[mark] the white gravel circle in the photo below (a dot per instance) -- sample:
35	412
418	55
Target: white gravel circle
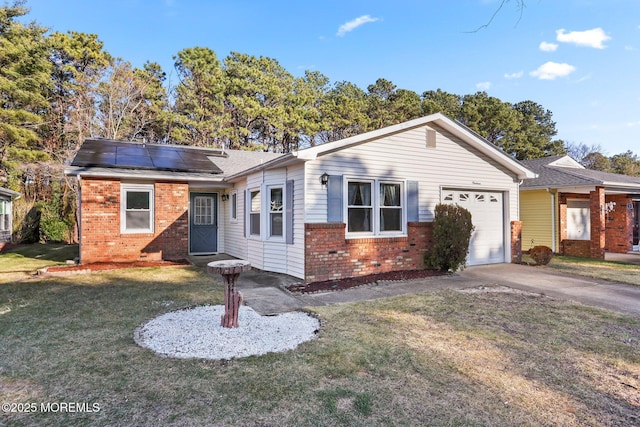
196	333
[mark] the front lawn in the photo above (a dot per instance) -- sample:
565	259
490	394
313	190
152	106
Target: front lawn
24	260
610	270
439	359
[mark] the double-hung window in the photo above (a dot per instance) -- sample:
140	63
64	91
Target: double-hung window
276	205
136	214
254	212
5	222
375	207
359	206
390	206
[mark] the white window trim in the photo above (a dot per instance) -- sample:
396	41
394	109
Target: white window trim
124	188
375	196
268	211
233	196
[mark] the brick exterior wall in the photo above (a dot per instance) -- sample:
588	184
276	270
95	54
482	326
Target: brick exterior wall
598	227
619	225
516	242
612	232
329	256
101	240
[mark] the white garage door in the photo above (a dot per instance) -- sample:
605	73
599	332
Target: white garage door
487	215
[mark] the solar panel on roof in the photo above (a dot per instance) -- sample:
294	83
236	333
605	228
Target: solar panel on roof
127	155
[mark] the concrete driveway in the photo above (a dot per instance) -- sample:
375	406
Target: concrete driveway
263	291
586	290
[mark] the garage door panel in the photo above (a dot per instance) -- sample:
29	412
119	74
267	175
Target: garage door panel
487	215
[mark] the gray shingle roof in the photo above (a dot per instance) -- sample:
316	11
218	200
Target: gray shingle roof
560	176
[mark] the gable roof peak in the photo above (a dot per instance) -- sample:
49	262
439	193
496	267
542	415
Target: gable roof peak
565	162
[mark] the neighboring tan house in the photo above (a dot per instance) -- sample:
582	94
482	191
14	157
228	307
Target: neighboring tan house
6	216
577	211
347	208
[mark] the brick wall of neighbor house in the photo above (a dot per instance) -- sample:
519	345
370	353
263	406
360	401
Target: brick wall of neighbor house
101	240
619	223
516	242
598	226
578	248
329	256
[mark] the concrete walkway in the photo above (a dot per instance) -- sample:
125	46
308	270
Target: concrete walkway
263	291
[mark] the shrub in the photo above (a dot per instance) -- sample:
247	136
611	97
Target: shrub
541	254
452	230
54	230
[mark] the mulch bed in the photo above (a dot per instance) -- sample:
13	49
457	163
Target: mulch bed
352	282
102	266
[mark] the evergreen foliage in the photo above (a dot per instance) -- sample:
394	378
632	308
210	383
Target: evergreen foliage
57	89
452	228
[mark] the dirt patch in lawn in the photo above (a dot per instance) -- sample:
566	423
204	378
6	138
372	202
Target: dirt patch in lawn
352	282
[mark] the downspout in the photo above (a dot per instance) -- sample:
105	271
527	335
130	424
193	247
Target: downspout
553	220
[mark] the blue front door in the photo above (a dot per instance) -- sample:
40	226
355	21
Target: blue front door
203	223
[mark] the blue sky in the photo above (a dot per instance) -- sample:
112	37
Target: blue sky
578	58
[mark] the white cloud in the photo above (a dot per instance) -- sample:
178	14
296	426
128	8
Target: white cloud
552	70
483	85
353	24
514	75
629	48
589	38
548	47
633	124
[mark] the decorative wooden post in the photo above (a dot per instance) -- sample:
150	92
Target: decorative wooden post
230	271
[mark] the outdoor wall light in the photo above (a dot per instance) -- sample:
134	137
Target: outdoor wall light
324	179
224	197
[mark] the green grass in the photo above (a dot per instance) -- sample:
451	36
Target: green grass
24	260
444	358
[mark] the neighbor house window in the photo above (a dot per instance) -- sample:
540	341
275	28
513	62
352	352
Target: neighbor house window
375	207
136	208
275	211
4	215
254	212
234	206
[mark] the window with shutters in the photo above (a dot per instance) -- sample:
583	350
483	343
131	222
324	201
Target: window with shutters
375	207
254	212
276	211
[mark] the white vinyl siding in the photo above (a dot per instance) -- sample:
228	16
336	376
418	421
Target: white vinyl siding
452	164
270	254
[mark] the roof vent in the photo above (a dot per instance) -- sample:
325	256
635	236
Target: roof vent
431	138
